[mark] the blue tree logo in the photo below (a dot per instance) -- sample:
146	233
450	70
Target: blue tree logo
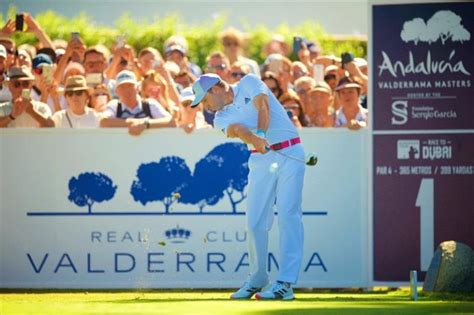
204	188
161	181
223	170
89	188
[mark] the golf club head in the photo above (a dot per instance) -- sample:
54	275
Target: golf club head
311	159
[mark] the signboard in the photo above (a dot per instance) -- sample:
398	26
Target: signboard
422	196
103	209
423	133
423	66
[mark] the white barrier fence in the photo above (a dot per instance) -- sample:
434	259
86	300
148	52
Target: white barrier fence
90	209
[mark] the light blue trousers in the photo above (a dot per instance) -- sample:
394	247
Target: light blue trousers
275	180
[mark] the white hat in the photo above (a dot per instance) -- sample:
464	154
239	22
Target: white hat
3	51
126	76
187	95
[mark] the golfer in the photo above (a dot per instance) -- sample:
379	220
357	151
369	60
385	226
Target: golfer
249	111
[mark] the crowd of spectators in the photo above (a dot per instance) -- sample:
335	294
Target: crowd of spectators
69	85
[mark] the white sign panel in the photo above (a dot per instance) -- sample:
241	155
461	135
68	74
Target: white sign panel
103	209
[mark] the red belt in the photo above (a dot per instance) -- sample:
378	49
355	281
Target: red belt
282	145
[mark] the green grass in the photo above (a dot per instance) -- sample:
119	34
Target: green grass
217	302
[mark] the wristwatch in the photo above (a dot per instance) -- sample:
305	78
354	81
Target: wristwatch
11	117
147	123
260	133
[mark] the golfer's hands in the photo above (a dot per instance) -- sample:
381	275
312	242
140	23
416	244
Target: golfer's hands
260	144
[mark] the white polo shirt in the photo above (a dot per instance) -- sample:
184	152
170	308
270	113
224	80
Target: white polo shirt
242	111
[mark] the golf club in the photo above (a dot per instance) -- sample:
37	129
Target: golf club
311	158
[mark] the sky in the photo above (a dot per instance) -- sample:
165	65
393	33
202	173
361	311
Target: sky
337	17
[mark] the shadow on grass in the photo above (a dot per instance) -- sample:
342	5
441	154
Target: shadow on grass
407	309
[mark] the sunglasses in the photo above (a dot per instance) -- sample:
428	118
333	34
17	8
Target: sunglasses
237	74
215	68
328	77
229	44
23	84
77	93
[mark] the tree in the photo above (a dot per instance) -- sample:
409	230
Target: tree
207	185
89	188
413	30
223	170
233	169
445	24
161	181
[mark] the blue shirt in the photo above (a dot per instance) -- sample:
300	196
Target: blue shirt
242	111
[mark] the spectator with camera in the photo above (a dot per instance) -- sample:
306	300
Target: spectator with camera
133	112
44	88
233	41
292	105
22	111
77	114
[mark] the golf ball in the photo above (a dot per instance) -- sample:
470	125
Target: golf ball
273	167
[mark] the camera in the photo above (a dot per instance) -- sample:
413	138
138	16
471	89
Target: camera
346	58
25	94
75	35
297	42
19	22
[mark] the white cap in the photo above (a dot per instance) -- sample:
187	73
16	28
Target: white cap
126	76
3	51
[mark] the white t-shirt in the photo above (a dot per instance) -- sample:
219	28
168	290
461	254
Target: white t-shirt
5	94
156	110
89	119
25	120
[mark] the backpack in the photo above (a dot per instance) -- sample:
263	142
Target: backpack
146	112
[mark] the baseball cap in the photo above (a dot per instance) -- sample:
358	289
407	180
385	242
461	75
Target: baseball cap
202	85
22	73
346	83
322	87
3	51
330	68
126	76
175	47
41	59
187	95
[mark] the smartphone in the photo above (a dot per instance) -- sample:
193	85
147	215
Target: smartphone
19	21
75	35
346	58
25	94
93	79
318	72
297	41
120	41
48	72
290	114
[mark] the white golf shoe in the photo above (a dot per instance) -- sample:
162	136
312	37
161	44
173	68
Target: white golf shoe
245	292
278	291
